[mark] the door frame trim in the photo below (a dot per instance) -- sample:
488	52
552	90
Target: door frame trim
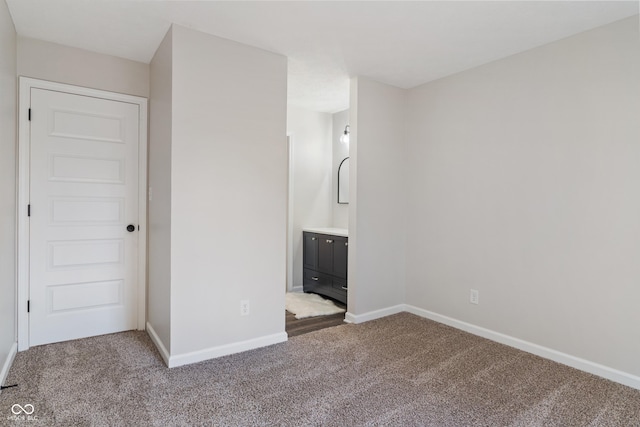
290	205
25	86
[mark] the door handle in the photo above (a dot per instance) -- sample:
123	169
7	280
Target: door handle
131	228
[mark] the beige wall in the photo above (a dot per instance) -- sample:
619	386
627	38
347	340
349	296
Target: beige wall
160	131
227	193
7	188
377	197
310	133
64	64
522	183
340	213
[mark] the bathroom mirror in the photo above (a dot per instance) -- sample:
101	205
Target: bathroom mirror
343	182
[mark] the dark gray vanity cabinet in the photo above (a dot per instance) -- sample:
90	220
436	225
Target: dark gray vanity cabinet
325	265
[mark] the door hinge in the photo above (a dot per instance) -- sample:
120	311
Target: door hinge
29	114
28	306
28	210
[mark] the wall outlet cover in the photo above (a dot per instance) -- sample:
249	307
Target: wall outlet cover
474	297
244	307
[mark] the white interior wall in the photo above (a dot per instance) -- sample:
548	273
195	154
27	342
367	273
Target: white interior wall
377	197
159	247
310	134
522	181
63	64
229	196
340	213
8	97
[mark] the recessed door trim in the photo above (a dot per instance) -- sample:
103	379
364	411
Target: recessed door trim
24	173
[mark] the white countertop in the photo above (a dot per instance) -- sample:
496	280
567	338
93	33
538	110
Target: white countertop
333	231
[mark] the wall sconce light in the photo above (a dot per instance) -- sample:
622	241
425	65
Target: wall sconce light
344	138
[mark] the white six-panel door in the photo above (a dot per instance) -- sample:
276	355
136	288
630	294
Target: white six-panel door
83	195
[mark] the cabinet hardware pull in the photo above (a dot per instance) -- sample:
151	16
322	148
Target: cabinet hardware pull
314	278
346	243
329	241
313	238
345	288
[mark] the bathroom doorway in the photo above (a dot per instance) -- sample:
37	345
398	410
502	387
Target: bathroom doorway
316	149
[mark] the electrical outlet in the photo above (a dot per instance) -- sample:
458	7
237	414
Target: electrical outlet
244	307
474	297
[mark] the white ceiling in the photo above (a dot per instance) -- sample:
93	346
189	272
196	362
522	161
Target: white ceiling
400	43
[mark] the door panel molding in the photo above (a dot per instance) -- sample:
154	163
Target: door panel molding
23	163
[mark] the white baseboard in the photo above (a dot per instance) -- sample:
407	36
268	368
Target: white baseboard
8	362
371	315
224	350
158	342
297	289
548	353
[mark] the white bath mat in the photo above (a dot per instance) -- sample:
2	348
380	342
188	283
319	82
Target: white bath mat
309	305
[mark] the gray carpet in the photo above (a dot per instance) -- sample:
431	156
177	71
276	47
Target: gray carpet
401	370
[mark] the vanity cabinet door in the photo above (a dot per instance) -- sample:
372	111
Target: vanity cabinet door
325	253
340	251
310	251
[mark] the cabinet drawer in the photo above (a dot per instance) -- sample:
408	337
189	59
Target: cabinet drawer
340	284
312	277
